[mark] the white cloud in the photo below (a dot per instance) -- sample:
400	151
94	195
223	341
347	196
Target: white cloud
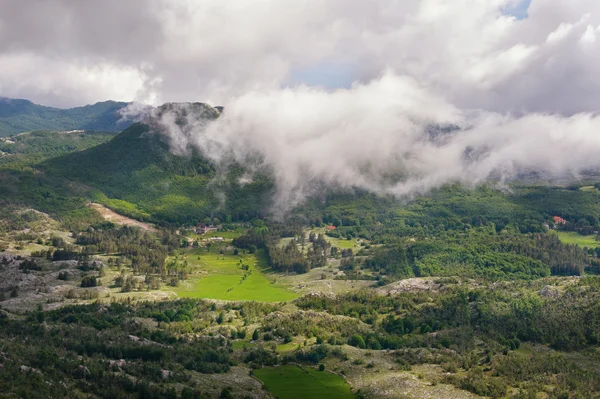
391	135
65	82
468	51
523	91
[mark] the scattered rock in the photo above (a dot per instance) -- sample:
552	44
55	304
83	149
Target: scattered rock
410	285
550	291
27	369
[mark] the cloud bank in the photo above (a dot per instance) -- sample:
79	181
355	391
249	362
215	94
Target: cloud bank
392	96
390	136
472	52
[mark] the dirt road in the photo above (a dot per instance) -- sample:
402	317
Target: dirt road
114	217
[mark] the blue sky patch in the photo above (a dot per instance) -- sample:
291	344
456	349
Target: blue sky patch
519	10
329	75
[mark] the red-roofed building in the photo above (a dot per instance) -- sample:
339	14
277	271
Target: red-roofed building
559	220
330	227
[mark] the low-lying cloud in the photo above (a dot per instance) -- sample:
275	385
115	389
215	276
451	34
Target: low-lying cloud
390	136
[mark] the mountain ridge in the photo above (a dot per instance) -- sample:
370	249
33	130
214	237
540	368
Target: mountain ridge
22	115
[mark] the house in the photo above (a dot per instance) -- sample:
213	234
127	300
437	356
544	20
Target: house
559	220
203	228
330	228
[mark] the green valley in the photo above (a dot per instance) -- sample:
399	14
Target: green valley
160	274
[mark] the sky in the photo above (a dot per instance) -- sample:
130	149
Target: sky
393	96
501	55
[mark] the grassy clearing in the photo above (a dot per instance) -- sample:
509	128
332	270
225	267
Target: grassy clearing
223	278
290	346
337	242
291	382
242	345
343	244
578	239
295	344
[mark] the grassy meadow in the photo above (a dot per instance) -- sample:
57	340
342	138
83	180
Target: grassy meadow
220	276
578	239
341	243
293	382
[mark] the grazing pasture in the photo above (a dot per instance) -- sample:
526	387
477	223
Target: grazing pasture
222	276
578	239
293	382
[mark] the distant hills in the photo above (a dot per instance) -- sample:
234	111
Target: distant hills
137	174
17	116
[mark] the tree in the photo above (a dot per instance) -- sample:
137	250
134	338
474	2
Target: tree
255	335
321	367
357	341
89	281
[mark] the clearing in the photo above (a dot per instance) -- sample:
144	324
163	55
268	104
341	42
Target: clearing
578	239
291	382
341	243
115	218
221	276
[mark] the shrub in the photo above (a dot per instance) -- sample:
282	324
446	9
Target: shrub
357	341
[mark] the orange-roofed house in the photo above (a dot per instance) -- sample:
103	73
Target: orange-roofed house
559	220
330	228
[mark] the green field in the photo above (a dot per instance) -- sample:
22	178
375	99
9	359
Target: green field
337	242
343	244
223	278
292	382
242	345
575	238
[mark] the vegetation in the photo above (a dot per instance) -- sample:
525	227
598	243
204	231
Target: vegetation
29	148
17	116
291	382
137	180
468	290
232	277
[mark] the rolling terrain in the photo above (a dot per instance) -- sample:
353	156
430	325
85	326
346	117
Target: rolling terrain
17	116
112	287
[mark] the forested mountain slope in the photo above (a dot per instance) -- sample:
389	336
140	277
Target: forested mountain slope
18	116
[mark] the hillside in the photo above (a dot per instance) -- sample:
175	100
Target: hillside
460	293
136	174
18	116
34	147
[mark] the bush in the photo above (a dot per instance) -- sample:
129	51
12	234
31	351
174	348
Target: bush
89	281
357	341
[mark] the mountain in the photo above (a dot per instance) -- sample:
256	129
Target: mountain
137	174
18	116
